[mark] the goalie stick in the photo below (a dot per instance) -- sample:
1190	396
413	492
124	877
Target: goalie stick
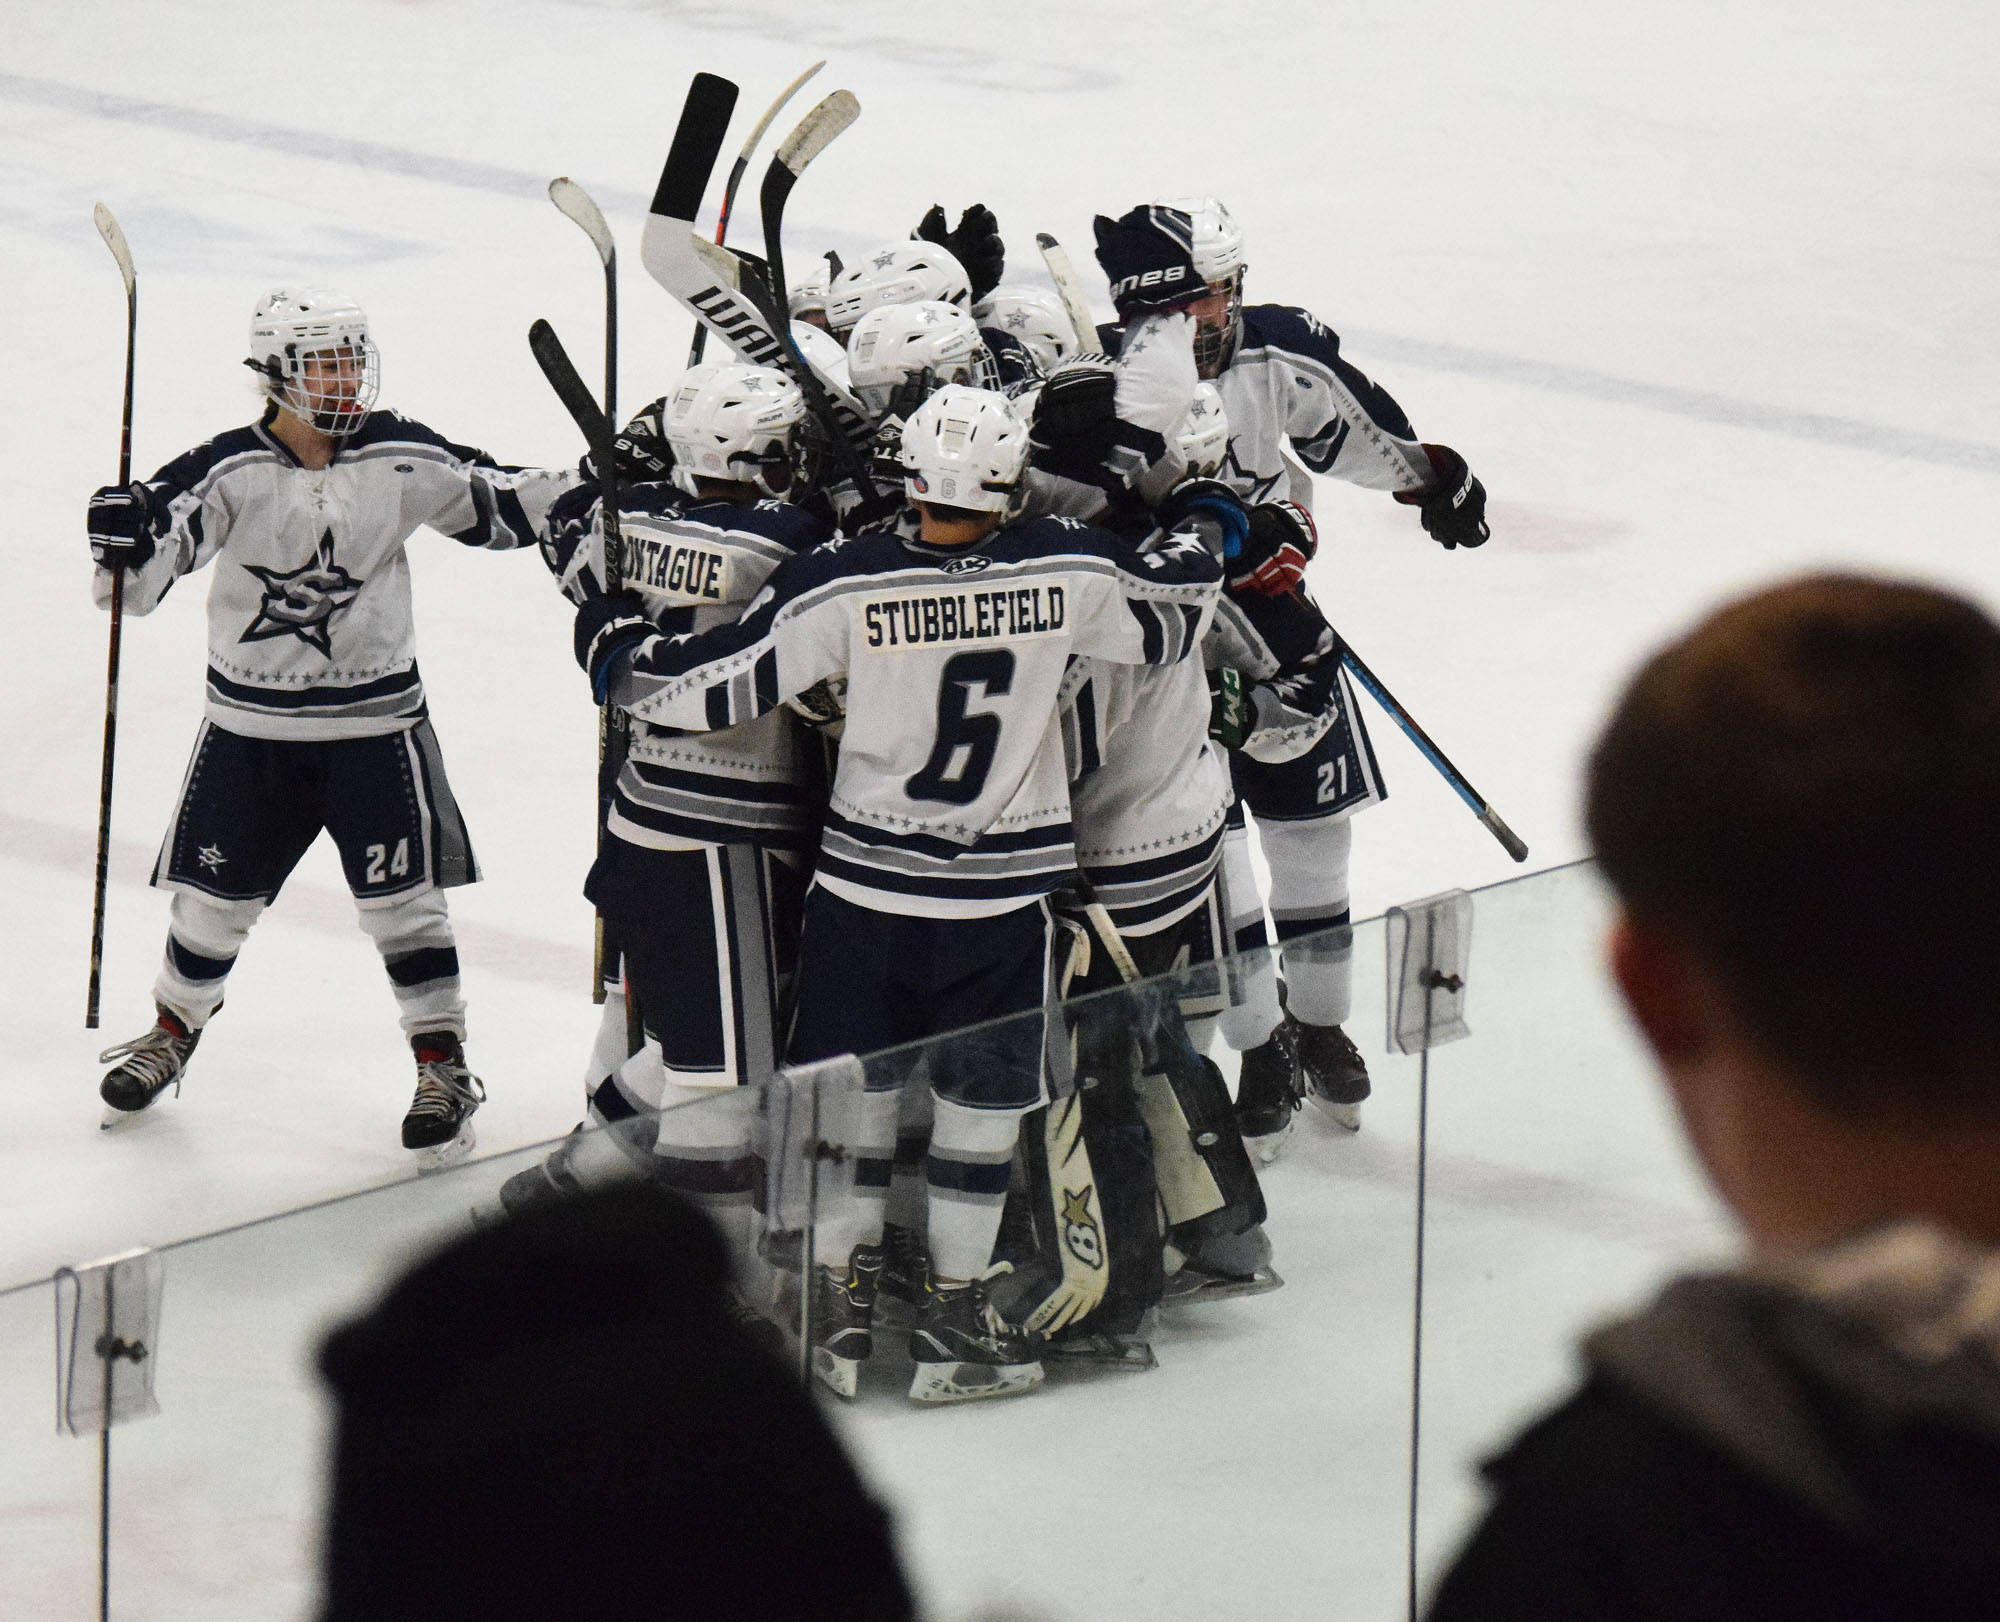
1070	290
736	172
114	239
600	435
1510	841
614	726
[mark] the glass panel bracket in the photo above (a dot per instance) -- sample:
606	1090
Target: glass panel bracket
1429	951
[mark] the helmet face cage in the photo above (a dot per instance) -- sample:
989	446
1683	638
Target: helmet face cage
1217	335
334	389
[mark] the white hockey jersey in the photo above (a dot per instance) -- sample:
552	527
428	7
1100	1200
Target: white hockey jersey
310	634
1288	385
950	798
697	564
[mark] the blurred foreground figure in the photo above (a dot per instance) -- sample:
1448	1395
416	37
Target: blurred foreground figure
560	1417
1798	806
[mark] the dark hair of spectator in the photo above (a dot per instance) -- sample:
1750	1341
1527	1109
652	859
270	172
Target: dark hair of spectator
1806	790
558	1417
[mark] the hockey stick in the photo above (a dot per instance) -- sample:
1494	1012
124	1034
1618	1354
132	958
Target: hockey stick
114	239
814	133
736	172
614	726
1509	840
1069	290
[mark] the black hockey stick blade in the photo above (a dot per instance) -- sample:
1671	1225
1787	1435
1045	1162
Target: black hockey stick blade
576	203
808	139
571	389
690	161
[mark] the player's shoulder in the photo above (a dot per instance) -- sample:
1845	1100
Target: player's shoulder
779	522
234	447
1049	535
389	430
1277	329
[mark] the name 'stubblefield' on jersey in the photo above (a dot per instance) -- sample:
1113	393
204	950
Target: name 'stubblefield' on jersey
310	634
950	798
1289	385
697	564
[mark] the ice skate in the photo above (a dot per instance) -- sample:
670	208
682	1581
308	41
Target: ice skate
542	1183
1219	1267
1335	1074
438	1126
1269	1090
965	1351
906	1264
148	1066
843	1315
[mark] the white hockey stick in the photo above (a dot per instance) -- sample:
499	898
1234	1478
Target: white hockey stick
1069	290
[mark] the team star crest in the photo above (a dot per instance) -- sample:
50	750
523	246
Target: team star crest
301	602
210	857
1260	488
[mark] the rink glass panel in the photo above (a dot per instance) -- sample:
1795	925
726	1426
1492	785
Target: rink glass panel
1261	1468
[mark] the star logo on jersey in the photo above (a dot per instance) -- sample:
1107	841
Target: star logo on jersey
301	602
210	857
1236	476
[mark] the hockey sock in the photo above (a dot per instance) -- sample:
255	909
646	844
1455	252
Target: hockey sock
971	1159
702	1152
859	1220
202	942
1253	1013
413	934
1308	862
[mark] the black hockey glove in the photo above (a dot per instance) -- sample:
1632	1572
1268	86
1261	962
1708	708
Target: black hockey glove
1148	257
640	452
121	527
1454	509
1231	715
975	244
1212	510
886	454
1076	414
608	628
1282	541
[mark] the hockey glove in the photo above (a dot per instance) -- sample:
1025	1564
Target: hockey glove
1282	541
640	452
1148	257
608	630
121	527
1212	510
1453	509
822	705
1076	415
975	244
1231	715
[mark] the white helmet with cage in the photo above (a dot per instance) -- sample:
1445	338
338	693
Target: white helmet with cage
1034	316
1203	436
965	448
1219	261
734	422
895	342
808	293
896	273
311	347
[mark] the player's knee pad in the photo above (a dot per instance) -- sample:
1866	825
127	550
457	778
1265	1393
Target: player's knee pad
1308	862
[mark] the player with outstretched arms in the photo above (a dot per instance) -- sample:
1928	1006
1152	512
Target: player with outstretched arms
1176	270
700	870
948	825
315	715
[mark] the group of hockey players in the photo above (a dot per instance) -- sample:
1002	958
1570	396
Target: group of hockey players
935	736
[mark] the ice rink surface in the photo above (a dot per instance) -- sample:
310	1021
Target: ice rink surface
1705	294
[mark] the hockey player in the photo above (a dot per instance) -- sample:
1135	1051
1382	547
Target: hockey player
315	715
699	875
1034	317
1287	388
948	824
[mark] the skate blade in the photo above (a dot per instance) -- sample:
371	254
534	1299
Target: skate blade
115	1118
437	1156
840	1375
1267	1148
1190	1284
1101	1351
936	1383
1345	1116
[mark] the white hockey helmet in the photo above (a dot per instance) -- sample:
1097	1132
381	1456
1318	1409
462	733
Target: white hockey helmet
1203	436
895	273
1034	316
1219	261
895	342
965	448
730	421
311	347
808	294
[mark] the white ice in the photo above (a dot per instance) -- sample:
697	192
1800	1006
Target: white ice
1704	293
